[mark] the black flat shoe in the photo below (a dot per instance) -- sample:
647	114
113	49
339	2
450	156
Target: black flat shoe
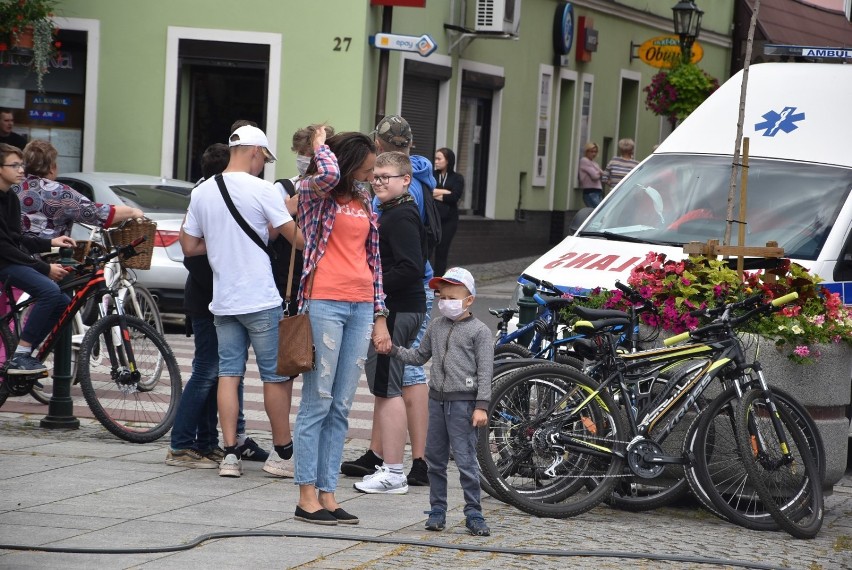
321	516
343	517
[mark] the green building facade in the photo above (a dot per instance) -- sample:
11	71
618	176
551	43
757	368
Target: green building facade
146	86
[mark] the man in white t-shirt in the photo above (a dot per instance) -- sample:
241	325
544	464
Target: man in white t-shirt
246	305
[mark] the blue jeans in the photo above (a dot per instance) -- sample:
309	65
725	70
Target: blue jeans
195	422
341	332
450	426
592	197
50	301
258	330
415	374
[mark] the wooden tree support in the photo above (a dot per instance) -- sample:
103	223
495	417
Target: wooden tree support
713	249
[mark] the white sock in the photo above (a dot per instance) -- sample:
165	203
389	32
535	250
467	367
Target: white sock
24	349
241	439
395	468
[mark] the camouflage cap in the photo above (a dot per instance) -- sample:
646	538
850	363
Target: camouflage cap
394	130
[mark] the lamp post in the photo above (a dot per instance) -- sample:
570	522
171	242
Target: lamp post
687	25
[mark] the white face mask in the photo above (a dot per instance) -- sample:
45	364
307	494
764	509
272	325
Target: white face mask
302	163
451	308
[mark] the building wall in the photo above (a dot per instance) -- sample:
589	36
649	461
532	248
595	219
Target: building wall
318	83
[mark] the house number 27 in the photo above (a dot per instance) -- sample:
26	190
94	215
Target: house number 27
341	44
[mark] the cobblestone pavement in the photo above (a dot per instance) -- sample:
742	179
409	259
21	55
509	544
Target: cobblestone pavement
135	490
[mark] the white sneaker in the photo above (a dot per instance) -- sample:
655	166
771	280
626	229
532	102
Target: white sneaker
378	471
231	466
276	466
383	481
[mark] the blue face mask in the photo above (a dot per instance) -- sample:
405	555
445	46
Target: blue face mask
362	186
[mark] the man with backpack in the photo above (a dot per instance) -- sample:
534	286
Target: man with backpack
393	133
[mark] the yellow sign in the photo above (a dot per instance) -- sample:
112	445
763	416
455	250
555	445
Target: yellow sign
663	51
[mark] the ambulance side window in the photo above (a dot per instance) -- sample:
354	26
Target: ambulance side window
843	268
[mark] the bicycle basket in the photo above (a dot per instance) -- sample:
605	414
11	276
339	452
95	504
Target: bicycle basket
81	250
131	230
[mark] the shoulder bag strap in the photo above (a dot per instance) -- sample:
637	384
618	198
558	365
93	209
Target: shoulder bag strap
240	220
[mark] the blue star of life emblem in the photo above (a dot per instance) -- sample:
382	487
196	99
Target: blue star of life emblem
783	121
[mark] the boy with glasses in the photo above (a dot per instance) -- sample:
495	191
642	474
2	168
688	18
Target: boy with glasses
19	268
402	246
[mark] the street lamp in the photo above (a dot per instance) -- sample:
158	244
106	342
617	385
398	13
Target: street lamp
687	25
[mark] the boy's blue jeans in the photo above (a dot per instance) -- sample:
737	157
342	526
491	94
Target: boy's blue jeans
451	426
196	419
50	301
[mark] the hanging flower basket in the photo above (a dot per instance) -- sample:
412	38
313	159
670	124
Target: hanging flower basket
676	93
26	26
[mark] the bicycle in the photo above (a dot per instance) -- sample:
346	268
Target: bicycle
552	428
127	373
135	299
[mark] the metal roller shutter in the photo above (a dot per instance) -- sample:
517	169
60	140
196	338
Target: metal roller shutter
420	109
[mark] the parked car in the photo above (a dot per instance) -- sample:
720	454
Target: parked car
164	201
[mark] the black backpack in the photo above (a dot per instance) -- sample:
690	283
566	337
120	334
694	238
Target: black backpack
432	221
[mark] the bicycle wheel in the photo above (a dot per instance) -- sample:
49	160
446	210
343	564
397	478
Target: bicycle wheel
789	486
8	343
122	394
510	350
144	307
723	486
546	439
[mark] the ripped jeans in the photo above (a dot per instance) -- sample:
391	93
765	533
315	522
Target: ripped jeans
342	332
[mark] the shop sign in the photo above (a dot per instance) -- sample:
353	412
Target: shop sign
424	45
53	116
664	51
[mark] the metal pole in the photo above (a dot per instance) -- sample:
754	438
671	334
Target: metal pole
60	409
384	60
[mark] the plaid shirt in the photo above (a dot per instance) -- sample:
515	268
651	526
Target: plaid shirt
317	210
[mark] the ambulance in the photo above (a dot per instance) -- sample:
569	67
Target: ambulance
798	117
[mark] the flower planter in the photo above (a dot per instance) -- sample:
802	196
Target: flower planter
824	388
23	41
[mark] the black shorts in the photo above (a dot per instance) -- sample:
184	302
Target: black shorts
384	373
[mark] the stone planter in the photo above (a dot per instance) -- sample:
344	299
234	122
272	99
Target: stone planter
825	388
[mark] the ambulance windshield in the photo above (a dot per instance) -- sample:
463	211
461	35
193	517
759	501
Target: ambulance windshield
678	198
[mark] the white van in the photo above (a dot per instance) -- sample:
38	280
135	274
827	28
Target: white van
798	117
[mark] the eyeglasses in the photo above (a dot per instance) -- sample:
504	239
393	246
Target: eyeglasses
15	166
384	180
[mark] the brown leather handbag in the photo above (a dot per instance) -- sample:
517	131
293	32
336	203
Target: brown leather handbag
296	349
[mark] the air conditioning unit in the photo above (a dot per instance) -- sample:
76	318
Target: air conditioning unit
498	16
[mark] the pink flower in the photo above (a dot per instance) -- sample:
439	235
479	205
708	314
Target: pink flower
802	351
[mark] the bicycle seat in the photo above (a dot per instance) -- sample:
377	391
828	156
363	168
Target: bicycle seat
559	303
599	325
598	314
503	313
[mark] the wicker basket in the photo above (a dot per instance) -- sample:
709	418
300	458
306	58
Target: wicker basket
81	250
131	230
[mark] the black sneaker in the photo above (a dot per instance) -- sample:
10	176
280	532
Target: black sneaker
25	364
251	451
364	465
418	476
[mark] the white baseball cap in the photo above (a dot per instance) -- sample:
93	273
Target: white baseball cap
455	276
251	136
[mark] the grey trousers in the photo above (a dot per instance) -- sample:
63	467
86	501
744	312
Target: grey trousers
450	426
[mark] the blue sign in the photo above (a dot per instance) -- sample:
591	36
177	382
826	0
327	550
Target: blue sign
64	101
783	121
54	116
424	45
563	28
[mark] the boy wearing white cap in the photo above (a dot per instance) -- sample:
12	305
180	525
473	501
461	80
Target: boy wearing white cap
459	391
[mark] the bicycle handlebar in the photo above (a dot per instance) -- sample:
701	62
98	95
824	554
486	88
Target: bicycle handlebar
773	305
126	250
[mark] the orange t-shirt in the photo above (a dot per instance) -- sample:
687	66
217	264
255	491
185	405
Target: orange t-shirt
343	273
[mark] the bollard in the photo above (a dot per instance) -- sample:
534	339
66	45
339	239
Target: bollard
527	312
60	410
